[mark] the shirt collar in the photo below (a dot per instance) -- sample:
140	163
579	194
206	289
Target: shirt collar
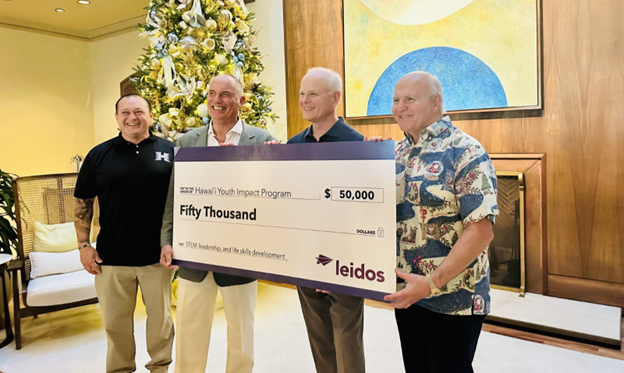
120	140
334	131
432	131
238	128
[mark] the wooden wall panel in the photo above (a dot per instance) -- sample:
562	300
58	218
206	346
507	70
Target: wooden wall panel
609	293
312	37
579	129
536	234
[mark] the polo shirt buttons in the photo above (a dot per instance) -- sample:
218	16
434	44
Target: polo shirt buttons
137	146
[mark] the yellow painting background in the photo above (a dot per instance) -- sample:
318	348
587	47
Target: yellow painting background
501	33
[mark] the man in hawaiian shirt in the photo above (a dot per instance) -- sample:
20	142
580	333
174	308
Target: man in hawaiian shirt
446	204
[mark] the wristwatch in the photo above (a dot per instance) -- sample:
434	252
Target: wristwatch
434	289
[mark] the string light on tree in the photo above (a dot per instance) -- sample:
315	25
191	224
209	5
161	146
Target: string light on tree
190	42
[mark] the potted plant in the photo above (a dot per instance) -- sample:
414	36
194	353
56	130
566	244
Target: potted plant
8	232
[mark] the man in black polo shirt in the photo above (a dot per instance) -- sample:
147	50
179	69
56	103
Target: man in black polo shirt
130	176
335	322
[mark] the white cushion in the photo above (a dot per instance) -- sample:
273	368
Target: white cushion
60	289
45	264
55	237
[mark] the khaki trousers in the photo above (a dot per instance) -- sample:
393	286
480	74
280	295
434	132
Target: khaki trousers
116	289
335	324
194	315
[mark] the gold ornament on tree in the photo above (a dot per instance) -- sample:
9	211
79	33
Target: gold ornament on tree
220	59
202	110
208	44
210	24
224	18
155	63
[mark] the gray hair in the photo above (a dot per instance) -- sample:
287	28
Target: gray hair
334	80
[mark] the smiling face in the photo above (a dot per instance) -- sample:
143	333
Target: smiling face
316	99
413	106
134	118
225	98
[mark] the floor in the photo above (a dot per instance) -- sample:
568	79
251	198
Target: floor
73	341
534	337
582	320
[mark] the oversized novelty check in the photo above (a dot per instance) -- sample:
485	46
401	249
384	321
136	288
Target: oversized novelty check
317	215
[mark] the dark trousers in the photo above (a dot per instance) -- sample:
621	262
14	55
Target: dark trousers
432	342
335	324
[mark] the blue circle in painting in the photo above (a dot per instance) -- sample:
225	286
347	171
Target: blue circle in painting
467	82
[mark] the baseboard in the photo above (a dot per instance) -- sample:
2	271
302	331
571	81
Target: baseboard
601	292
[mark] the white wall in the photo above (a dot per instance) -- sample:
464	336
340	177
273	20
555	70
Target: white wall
270	41
112	59
45	102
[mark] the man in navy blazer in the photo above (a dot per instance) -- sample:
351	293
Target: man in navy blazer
197	289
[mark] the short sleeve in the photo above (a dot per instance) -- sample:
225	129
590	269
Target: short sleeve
475	186
85	185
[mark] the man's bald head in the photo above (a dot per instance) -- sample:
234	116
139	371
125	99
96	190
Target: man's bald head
435	88
225	98
417	102
334	81
319	95
237	84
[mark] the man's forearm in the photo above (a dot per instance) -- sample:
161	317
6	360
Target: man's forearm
83	214
470	244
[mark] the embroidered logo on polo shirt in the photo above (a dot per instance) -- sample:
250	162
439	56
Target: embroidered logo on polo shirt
160	156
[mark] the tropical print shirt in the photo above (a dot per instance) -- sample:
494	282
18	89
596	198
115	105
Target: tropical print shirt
445	181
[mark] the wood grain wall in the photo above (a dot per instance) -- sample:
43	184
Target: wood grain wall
581	128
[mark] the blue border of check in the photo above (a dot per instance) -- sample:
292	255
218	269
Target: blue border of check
285	279
353	150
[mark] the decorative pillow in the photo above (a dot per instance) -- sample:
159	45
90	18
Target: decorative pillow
55	238
45	264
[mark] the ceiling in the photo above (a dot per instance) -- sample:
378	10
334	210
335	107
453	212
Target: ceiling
100	18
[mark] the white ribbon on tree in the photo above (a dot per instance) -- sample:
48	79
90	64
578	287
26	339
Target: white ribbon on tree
198	19
183	3
229	41
236	71
167	72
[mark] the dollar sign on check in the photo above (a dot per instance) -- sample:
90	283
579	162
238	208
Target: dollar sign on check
327	193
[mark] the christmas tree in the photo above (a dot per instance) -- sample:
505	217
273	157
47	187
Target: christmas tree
190	42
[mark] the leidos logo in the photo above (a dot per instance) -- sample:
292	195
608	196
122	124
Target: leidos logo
324	260
350	271
359	272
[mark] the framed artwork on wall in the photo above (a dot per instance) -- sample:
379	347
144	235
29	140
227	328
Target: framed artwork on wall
486	53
